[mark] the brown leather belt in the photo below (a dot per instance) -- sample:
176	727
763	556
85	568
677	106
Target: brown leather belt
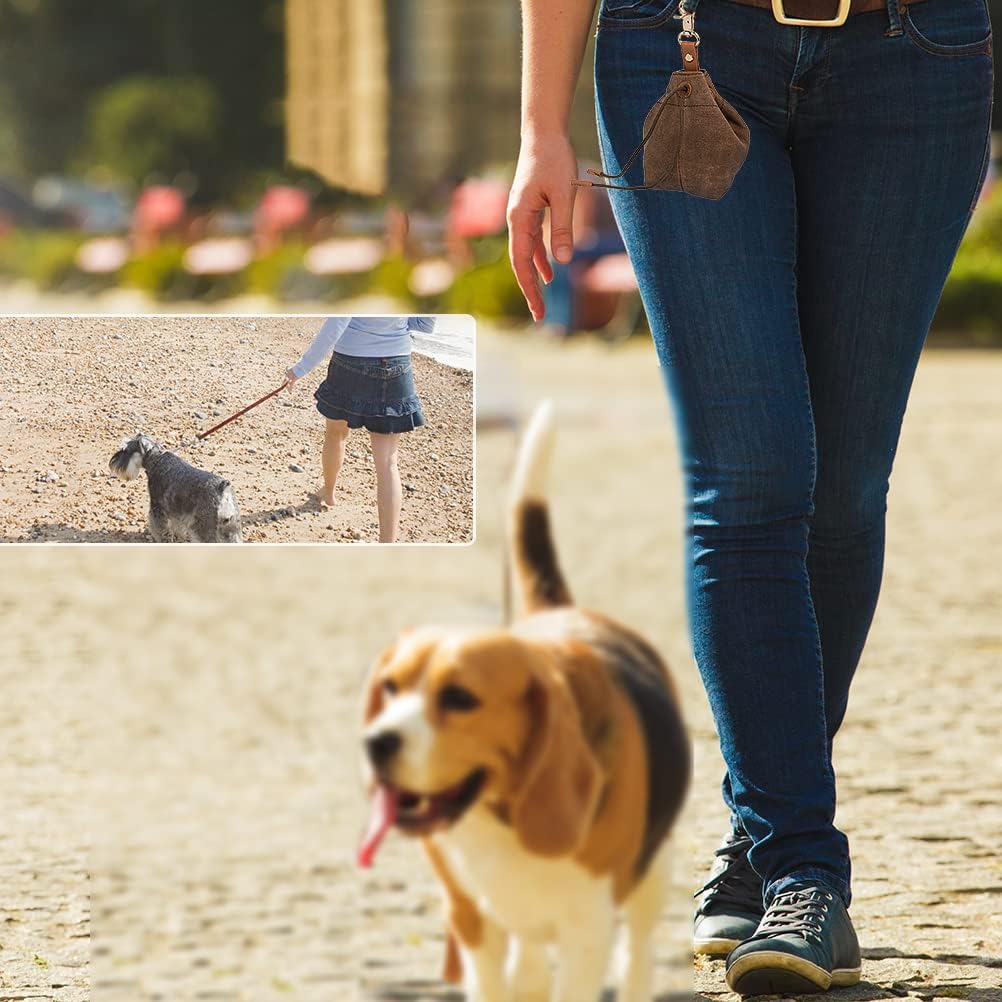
818	9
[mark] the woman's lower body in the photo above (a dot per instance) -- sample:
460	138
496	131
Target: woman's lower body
377	394
789	317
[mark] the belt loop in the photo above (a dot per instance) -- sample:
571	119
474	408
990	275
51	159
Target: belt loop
894	9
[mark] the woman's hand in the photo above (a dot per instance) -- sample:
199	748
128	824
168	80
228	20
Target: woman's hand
542	180
290	378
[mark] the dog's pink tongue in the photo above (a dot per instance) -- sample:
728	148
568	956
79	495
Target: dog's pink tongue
384	814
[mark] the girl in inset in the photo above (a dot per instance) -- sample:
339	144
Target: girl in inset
369	384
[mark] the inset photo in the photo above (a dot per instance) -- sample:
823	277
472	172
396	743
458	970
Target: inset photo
229	429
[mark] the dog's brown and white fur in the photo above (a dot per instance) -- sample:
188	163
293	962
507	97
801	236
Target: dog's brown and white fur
543	765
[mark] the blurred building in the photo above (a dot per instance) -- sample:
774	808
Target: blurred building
404	95
337	101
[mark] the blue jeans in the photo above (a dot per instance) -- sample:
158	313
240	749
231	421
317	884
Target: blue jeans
788	317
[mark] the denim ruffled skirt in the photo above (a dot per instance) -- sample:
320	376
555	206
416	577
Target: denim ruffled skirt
373	393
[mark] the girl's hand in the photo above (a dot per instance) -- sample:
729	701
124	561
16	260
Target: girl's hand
542	180
290	378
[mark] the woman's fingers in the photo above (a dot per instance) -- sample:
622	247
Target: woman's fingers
542	262
542	182
524	238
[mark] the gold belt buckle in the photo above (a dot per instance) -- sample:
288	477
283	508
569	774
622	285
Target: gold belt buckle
779	13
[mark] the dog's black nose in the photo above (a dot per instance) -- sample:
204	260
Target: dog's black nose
382	747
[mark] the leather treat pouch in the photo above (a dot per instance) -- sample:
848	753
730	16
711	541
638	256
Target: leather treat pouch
693	141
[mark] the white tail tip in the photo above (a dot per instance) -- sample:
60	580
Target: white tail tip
529	479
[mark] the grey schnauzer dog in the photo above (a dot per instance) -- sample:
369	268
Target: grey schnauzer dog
187	505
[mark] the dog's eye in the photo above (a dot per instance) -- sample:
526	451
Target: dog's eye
389	687
455	697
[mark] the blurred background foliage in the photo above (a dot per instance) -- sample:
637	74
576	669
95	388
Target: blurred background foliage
140	87
103	104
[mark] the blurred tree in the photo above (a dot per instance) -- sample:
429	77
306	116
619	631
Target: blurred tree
58	56
145	127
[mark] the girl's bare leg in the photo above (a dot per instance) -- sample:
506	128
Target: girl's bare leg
335	439
384	454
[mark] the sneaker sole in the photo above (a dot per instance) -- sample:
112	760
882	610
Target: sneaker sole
714	947
775	973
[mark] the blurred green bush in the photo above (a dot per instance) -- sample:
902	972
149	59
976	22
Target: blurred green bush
157	272
47	259
488	289
277	273
970	310
161	274
972	300
971	306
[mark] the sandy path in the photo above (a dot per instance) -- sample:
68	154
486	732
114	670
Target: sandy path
217	691
73	388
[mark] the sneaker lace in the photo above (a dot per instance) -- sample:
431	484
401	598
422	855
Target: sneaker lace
736	885
800	911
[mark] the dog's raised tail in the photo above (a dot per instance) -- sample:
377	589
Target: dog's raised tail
535	580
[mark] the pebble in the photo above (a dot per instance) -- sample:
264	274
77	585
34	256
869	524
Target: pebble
296	468
445	490
199	415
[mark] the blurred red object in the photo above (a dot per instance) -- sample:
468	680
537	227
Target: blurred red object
282	209
477	208
612	273
160	206
159	210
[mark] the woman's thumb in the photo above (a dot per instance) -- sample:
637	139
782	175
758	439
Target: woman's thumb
561	235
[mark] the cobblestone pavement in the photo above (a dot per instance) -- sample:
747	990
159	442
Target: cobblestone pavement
203	704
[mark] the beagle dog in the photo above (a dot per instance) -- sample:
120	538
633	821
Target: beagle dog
542	765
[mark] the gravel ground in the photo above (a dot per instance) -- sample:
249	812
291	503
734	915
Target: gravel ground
204	702
72	388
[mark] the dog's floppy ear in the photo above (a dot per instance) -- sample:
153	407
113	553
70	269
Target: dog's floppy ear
556	797
372	700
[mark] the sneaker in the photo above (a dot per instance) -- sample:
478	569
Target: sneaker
731	906
805	943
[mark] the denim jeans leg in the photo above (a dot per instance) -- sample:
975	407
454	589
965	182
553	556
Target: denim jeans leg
719	288
902	163
788	319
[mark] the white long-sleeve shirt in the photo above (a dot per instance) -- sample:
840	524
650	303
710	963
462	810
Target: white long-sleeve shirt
363	337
